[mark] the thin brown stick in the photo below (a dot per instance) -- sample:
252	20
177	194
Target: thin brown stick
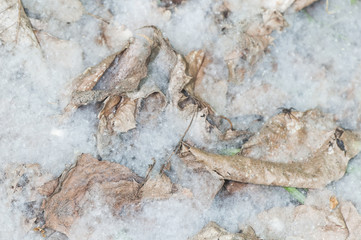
166	164
97	17
228	120
150	168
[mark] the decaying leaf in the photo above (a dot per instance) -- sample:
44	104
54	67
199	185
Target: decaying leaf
195	60
15	26
85	82
115	75
161	187
118	186
322	158
212	231
121	114
314	220
271	20
183	96
151	106
124	117
21	191
253	43
301	4
66	203
178	80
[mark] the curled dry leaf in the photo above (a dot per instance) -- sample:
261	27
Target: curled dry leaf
178	80
121	114
115	75
301	4
124	117
212	231
85	82
117	185
195	60
150	107
15	26
314	220
323	161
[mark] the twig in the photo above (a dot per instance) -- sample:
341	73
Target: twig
165	165
96	17
150	168
228	120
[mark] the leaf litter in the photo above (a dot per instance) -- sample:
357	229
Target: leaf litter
309	134
313	149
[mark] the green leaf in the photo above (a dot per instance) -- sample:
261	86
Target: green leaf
230	151
296	194
353	2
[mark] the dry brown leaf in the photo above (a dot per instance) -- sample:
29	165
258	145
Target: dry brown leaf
323	162
178	80
150	107
301	4
117	185
120	114
109	106
314	220
116	74
124	117
85	82
352	219
183	98
253	43
195	60
161	187
105	128
214	232
271	20
66	203
15	26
